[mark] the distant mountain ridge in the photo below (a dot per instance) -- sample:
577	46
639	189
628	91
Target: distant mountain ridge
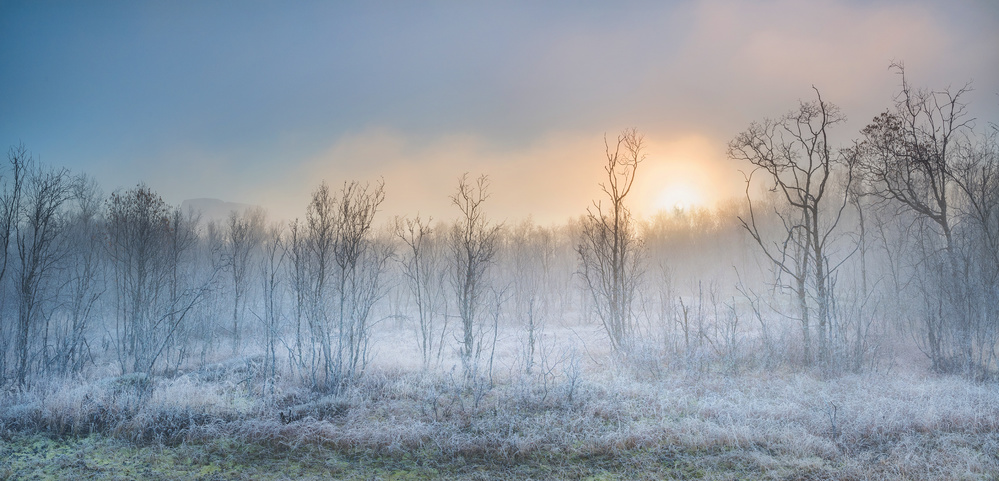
214	209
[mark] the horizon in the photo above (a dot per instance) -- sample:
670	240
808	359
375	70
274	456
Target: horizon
519	240
259	104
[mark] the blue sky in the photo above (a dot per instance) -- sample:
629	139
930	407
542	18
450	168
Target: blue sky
256	102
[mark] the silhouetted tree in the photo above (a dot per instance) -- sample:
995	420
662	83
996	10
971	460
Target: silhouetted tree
37	234
795	156
610	250
10	208
923	156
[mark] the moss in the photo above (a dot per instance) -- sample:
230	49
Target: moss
209	470
101	457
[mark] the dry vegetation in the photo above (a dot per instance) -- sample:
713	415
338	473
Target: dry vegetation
602	421
842	323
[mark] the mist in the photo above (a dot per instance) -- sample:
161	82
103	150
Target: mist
843	311
523	240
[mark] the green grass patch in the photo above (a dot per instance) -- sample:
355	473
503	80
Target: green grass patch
24	456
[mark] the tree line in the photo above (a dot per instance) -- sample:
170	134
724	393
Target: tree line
851	243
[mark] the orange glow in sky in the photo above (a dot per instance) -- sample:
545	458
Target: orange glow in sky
688	172
260	104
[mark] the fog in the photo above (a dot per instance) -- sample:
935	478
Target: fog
845	295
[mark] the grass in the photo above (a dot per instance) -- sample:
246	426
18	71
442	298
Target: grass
411	425
101	457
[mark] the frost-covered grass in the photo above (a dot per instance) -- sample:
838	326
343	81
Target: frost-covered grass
608	422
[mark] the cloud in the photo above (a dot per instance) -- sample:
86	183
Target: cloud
258	106
552	179
731	62
547	179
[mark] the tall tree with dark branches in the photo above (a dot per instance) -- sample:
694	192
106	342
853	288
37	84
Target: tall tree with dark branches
923	156
37	235
796	159
610	249
10	208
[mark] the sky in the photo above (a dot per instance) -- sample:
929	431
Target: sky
258	102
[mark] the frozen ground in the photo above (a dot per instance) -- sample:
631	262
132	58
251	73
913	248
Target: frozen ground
578	414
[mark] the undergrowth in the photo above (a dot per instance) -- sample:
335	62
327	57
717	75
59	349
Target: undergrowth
414	425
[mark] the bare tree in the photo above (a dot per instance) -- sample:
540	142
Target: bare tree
271	266
320	219
609	250
242	235
210	318
187	285
532	250
145	245
137	223
977	176
795	156
85	282
910	157
473	243
296	251
422	267
10	208
361	260
37	233
345	267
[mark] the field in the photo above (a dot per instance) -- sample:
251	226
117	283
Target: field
576	416
500	240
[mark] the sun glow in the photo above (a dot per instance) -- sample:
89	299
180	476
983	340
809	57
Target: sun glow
679	196
679	175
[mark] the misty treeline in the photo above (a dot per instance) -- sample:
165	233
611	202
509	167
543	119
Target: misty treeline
847	248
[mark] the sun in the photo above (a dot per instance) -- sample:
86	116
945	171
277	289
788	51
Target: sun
679	196
681	175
